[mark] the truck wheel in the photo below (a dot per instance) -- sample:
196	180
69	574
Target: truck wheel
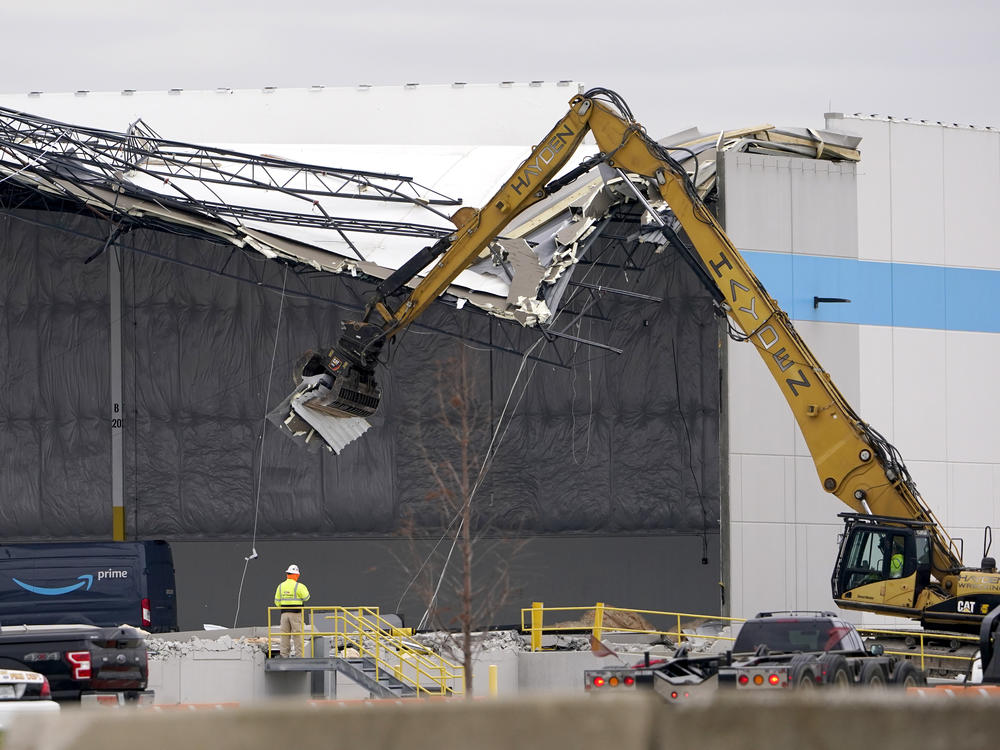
805	678
836	672
872	675
804	671
907	675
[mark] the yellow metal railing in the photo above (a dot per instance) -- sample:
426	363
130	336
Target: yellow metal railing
533	622
921	638
361	632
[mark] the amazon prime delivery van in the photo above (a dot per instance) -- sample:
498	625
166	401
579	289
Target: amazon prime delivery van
94	583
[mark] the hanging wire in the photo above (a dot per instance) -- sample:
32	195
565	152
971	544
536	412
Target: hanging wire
491	451
260	465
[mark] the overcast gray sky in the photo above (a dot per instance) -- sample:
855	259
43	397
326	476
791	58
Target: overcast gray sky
712	64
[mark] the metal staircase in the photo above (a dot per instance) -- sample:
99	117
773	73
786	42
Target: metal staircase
371	652
365	672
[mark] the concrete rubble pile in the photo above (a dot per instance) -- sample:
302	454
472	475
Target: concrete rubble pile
160	649
707	638
702	639
449	645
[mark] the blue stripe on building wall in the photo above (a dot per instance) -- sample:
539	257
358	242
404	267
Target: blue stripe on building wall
882	294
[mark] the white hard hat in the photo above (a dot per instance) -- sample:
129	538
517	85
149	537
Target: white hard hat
293	569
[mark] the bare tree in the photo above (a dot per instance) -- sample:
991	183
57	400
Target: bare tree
464	575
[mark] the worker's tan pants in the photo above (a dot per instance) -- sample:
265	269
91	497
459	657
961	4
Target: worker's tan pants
291	622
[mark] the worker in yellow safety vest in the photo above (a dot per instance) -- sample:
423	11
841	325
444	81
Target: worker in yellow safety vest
896	561
290	596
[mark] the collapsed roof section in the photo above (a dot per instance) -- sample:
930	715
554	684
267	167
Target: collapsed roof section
352	220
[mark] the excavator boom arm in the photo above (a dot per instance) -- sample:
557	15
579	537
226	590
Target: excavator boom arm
850	458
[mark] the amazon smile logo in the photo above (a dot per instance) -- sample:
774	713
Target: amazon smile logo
84	582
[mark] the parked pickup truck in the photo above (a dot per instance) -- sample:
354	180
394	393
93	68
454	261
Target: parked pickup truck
773	651
81	662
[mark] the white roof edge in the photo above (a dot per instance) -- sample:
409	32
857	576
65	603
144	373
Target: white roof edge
359	88
505	113
910	121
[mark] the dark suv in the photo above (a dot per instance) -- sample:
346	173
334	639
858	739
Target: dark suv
777	650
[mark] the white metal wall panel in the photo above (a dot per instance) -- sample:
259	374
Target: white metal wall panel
735	488
996	498
818	553
767	559
824	207
927	192
873	185
760	421
971	197
972	501
811	205
875	402
764	490
735	594
792	565
919	392
781	520
800	540
472	114
971	362
754	187
917	174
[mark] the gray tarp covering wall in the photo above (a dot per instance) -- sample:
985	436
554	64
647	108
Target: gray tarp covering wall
619	444
604	447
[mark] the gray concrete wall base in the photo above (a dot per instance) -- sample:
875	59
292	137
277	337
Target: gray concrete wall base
820	720
414	725
559	671
830	720
507	664
237	675
219	677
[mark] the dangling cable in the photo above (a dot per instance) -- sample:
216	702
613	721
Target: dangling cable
491	450
260	465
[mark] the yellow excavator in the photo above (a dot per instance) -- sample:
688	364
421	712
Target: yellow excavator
895	557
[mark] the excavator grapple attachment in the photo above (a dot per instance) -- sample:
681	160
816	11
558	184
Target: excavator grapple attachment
329	405
336	387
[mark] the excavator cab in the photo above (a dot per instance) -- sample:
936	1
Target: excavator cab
882	565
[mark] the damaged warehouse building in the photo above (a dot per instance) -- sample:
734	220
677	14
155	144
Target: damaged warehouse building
160	288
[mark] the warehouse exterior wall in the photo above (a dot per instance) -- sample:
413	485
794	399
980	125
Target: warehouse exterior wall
908	239
783	527
930	200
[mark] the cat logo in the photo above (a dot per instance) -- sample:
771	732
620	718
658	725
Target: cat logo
984	608
966	607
